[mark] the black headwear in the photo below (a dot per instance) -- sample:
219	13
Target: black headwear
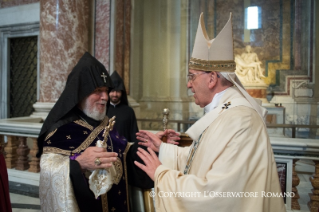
86	76
119	86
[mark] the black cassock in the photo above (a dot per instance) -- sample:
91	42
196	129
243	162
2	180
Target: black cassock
125	121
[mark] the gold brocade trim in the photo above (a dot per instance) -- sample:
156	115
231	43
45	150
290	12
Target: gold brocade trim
84	124
209	65
50	134
119	170
192	153
125	172
56	151
105	204
92	136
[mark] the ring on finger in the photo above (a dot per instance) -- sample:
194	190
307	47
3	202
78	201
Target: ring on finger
97	161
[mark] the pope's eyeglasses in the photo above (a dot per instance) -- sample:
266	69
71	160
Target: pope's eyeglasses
191	77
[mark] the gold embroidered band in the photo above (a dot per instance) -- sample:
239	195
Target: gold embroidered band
206	65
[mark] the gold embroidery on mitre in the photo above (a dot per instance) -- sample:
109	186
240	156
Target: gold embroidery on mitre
209	65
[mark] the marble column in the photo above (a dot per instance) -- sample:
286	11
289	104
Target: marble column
65	35
123	40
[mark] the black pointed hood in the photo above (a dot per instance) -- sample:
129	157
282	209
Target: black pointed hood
87	75
119	86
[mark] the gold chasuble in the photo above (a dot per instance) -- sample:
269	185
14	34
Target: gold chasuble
235	175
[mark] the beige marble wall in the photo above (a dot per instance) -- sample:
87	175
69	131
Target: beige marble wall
64	38
158	62
102	32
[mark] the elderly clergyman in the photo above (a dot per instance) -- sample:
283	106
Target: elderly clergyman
230	164
67	146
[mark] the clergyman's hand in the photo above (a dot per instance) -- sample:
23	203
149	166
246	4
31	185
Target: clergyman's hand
90	155
151	162
171	135
149	140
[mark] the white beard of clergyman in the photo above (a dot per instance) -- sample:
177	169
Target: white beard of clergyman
93	112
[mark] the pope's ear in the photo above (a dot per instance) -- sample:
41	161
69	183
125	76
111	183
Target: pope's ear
212	80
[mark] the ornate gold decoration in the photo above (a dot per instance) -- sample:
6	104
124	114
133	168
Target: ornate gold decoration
50	134
49	142
85	132
55	174
56	151
84	124
118	170
92	136
105	204
101	180
97	161
68	137
208	65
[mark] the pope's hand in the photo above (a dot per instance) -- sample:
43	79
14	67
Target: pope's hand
90	157
151	162
149	140
171	135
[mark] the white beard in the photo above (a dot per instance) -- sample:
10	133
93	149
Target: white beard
94	113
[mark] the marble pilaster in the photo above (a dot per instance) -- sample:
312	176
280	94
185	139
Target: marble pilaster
123	40
64	37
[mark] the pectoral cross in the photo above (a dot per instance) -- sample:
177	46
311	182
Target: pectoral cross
104	77
225	106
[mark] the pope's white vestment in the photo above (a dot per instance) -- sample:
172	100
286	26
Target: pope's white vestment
233	168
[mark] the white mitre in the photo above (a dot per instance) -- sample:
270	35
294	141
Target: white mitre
218	55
